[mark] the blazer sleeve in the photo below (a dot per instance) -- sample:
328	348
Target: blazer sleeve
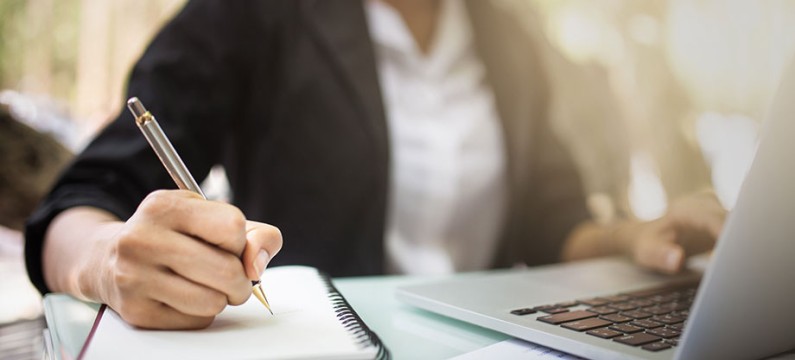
191	77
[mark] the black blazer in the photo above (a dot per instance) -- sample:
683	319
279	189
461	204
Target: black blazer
285	95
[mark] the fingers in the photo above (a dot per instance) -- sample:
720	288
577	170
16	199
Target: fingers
220	224
150	314
662	256
187	297
179	260
263	243
154	297
207	265
656	248
698	222
140	248
699	212
714	222
691	226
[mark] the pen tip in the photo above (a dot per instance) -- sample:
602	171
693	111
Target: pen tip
260	295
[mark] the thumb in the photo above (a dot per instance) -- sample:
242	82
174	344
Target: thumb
263	242
660	253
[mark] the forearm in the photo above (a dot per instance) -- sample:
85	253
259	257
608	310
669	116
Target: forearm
74	249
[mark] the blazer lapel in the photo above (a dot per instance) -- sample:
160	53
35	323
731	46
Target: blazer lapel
341	28
516	78
519	93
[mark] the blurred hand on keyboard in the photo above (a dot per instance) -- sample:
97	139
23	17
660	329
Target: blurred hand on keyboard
691	226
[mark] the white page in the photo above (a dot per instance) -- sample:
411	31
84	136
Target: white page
515	349
304	326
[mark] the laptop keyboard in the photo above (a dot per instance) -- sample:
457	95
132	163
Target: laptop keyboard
652	319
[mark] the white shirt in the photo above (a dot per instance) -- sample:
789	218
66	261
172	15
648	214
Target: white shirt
447	185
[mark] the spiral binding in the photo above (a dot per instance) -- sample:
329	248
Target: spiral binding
352	322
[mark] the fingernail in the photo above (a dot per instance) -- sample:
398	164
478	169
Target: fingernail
261	261
673	260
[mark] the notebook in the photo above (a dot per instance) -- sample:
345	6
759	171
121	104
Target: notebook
312	321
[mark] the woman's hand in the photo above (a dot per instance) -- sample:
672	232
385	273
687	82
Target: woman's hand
175	264
691	226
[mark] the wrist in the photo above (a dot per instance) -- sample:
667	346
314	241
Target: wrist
90	278
75	251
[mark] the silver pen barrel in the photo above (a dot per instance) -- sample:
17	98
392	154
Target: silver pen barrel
174	165
162	147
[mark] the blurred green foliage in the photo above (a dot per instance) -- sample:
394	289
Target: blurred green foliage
11	12
51	27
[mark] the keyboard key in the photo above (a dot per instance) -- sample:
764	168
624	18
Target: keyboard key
556	310
616	298
646	323
677	327
594	302
637	339
664	332
639	294
626	328
567	304
668	319
558	319
672	342
652	292
550	309
524	311
681	306
605	333
656	346
685	287
586	324
623	306
616	318
603	310
668	305
642	302
636	314
682	314
664	298
658	309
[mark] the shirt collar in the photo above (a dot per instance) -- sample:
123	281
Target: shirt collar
452	37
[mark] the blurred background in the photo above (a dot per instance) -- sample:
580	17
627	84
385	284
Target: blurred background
656	99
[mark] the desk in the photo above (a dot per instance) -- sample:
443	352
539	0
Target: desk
409	333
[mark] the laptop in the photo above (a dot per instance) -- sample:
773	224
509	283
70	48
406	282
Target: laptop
742	307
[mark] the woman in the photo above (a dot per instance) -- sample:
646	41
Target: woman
404	136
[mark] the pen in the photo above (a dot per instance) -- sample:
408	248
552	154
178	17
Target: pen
175	167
